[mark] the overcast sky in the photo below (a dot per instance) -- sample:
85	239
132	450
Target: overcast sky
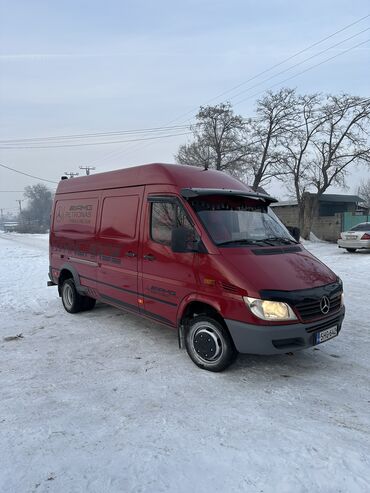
73	67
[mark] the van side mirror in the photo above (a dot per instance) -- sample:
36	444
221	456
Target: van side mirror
183	240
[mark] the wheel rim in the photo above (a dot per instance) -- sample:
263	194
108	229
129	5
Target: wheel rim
68	296
207	344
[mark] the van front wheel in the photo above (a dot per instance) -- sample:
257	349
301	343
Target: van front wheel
209	344
73	302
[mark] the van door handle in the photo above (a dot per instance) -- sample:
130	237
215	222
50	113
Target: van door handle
130	254
149	256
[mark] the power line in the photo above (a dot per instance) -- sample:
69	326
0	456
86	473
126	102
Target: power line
363	101
84	144
304	71
54	139
300	63
291	57
173	127
97	134
119	152
26	174
156	129
187	133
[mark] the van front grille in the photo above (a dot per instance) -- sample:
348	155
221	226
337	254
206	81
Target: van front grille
310	309
306	302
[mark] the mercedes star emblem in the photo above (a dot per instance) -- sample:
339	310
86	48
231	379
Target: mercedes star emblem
324	305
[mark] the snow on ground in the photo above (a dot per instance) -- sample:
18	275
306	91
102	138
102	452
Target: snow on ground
105	402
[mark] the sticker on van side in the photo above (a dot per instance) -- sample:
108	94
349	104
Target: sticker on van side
75	215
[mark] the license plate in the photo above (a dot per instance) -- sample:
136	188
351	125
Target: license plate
327	334
351	237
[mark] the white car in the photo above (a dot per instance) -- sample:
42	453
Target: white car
356	238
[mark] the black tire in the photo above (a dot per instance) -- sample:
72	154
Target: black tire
209	344
351	250
72	301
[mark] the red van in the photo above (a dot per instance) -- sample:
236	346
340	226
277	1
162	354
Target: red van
197	251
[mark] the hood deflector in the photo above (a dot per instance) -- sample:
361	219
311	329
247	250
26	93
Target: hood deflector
188	193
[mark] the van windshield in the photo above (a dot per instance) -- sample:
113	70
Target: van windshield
237	221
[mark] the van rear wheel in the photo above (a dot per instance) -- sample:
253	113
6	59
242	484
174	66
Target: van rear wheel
209	344
73	302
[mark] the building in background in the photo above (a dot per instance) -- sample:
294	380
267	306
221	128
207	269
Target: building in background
9	226
336	213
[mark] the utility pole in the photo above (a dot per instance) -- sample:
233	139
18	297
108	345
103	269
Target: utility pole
20	205
87	169
71	174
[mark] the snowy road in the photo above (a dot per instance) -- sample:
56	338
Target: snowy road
105	402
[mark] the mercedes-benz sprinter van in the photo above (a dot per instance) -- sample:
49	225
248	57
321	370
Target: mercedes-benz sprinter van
197	251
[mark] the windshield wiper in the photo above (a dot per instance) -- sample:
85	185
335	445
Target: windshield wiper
241	242
283	239
270	241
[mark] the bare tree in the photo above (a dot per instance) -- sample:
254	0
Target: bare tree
342	140
364	192
276	113
298	144
249	149
218	141
297	141
309	142
332	134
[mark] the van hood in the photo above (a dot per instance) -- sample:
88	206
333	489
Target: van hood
258	270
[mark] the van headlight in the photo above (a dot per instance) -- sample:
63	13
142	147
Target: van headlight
269	310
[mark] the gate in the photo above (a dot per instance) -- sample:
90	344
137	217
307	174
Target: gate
350	219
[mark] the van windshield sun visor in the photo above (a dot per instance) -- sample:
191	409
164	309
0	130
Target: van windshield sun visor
188	193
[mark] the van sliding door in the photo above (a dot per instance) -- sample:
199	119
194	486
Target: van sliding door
117	277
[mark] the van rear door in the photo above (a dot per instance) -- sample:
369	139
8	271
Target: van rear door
117	276
73	236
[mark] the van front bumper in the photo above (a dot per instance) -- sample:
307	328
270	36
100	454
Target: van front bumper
278	339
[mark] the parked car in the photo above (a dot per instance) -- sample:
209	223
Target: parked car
356	238
197	251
